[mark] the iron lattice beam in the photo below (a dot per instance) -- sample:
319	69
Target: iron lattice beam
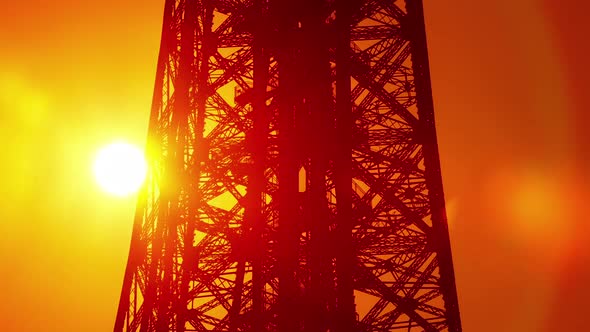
294	179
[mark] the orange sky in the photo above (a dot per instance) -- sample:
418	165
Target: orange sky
509	80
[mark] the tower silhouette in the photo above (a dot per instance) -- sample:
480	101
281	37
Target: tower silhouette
294	179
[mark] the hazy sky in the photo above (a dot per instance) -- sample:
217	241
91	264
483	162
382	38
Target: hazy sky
509	81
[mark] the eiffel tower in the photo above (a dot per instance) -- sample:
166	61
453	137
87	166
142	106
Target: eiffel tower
294	179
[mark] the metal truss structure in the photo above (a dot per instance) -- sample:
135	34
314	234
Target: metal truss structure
294	179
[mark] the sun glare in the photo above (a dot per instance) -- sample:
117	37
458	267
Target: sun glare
120	169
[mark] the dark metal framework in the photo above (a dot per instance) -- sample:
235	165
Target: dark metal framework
294	177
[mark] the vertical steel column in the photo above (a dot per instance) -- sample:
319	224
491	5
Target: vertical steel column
345	311
289	298
427	135
316	85
257	144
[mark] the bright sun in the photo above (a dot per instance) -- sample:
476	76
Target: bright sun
120	169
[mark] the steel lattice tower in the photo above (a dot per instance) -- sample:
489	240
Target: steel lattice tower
295	182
